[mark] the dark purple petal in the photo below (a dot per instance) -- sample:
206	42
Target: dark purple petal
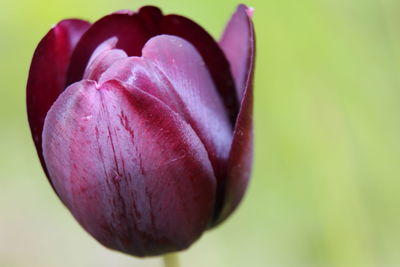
133	29
241	154
237	45
132	172
212	54
128	29
47	73
172	70
151	17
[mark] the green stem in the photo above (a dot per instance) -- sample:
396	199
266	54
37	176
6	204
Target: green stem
171	260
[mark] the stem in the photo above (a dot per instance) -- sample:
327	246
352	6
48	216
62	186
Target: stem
171	260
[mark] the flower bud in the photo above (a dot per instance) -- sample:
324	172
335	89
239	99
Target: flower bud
143	124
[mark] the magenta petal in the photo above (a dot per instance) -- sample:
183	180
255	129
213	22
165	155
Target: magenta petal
132	172
107	45
47	73
102	62
237	44
241	154
212	54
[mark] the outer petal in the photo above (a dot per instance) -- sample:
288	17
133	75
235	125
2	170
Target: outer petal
172	70
239	44
47	73
151	17
130	29
131	171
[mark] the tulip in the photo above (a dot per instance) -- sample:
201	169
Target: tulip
143	124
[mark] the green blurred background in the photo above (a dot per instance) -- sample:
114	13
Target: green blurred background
325	189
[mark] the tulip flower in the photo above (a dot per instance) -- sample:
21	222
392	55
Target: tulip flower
143	124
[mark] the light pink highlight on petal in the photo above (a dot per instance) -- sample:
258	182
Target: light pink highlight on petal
250	12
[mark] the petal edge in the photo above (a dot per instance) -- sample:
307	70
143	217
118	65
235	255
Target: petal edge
47	74
241	153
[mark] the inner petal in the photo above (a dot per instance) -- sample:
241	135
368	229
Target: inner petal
102	62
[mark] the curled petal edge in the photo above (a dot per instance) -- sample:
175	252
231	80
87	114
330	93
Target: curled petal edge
47	74
241	153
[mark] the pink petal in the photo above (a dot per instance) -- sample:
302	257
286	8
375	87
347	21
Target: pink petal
102	62
241	154
132	172
212	54
47	73
237	44
172	70
107	45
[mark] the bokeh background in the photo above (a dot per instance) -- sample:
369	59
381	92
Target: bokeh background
325	189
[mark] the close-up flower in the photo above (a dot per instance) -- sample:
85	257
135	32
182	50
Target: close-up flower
166	133
143	124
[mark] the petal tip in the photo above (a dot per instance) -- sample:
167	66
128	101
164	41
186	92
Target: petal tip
124	12
247	9
250	11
